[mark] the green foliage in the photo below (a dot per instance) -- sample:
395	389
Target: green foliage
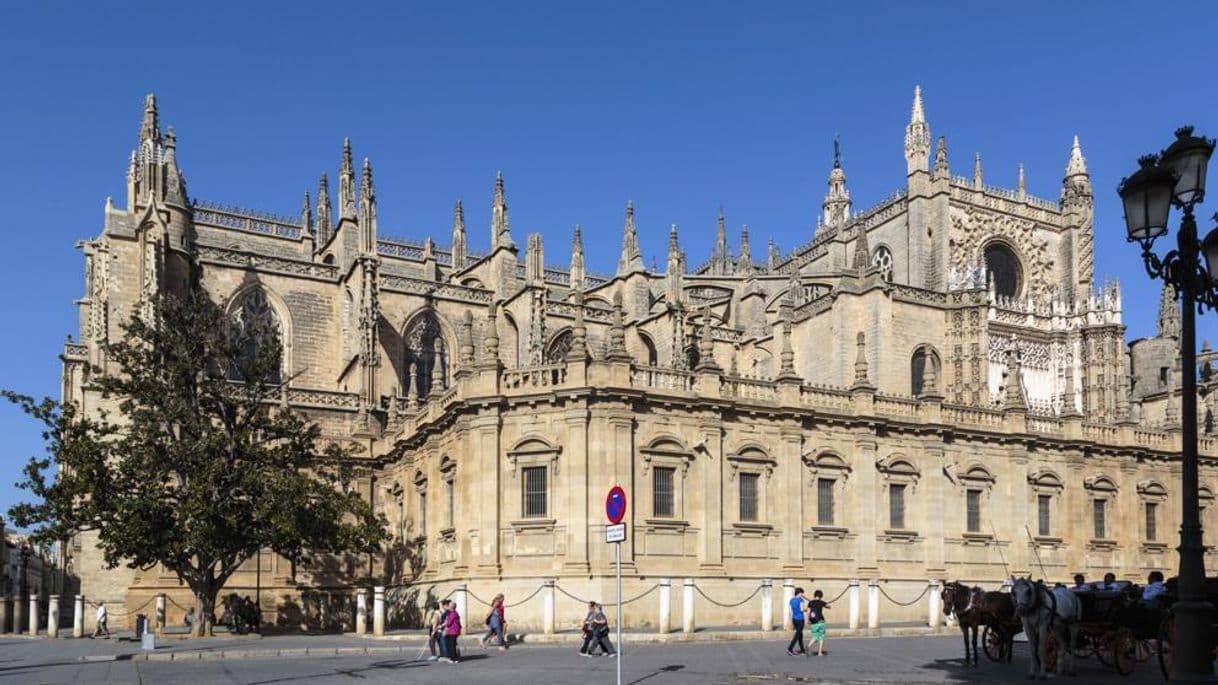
202	467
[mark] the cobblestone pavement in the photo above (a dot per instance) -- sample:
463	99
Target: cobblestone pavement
850	660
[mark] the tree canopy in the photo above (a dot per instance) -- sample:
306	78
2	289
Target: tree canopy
198	464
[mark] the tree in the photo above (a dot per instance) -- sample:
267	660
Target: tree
202	466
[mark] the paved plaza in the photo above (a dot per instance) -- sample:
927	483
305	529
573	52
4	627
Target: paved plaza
332	660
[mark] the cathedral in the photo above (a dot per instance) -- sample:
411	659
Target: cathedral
931	388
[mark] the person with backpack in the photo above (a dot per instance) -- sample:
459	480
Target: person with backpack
452	630
816	621
797	619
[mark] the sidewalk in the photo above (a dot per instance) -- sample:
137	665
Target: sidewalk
124	647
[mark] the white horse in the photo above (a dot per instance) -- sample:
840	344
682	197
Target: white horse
1044	611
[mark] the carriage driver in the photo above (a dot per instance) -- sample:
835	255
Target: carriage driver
1154	587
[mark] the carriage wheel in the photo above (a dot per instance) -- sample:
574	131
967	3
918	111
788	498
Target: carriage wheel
1085	647
1144	651
1104	645
1167	638
1124	650
994	642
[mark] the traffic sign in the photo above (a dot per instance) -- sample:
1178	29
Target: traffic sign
615	532
615	504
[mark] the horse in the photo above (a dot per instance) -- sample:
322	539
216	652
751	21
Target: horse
974	609
1044	612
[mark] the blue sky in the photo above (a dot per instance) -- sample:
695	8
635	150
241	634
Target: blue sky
682	107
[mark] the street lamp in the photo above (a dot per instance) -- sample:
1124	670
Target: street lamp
1177	177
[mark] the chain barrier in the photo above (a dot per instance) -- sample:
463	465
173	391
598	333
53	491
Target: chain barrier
581	601
171	601
516	604
728	606
123	613
839	595
476	597
925	589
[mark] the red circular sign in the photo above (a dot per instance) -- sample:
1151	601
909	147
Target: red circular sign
615	504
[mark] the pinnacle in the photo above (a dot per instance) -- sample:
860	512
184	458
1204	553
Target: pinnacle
917	115
1077	164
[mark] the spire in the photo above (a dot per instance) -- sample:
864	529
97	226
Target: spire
772	256
786	356
466	349
862	252
1014	387
501	229
837	201
490	338
346	184
175	185
706	344
861	379
324	225
306	216
617	333
941	168
744	264
579	331
631	259
534	261
722	256
1077	166
1169	313
578	275
150	127
459	238
917	136
674	274
367	211
978	181
1021	182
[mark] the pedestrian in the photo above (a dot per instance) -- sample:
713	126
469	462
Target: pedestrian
452	630
797	619
495	624
600	632
434	636
103	620
588	632
1080	583
816	619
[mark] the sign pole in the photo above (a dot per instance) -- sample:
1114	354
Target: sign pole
618	553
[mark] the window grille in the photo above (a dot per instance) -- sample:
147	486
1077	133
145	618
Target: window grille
1098	511
662	492
973	513
896	506
450	494
535	491
423	513
748	496
824	502
1152	512
1043	504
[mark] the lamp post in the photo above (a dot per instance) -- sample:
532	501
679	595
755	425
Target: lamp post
1176	176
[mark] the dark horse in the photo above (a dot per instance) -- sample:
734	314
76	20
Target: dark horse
973	609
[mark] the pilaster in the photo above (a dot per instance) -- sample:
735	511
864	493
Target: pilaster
710	548
487	451
578	490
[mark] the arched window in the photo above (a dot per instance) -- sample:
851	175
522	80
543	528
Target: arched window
882	260
254	316
922	356
425	348
559	347
650	349
692	357
1004	268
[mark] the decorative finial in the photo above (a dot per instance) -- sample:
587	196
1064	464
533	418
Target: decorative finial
861	379
1077	166
978	182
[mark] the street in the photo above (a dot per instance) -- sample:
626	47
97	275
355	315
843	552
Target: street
849	660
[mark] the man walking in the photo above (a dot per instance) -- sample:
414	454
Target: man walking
103	618
797	618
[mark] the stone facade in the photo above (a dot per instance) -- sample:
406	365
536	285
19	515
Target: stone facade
930	388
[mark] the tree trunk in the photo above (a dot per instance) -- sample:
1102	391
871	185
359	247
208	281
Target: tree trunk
205	606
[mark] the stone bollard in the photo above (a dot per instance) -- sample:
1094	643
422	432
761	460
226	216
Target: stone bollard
78	616
687	607
873	603
53	616
361	612
6	611
33	614
788	594
767	605
664	624
547	606
852	602
160	612
378	611
461	598
19	622
934	613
